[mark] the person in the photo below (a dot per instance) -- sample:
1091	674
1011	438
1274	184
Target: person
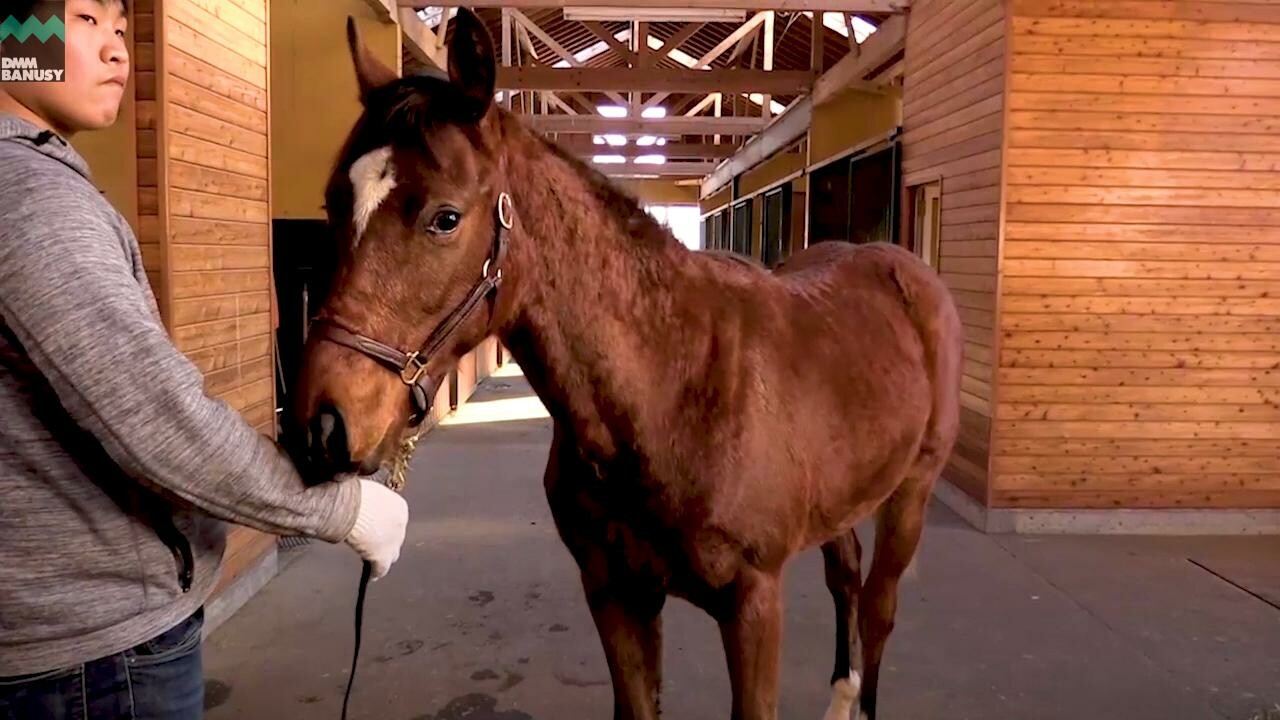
117	470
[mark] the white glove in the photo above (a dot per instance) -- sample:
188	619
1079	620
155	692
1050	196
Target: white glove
380	526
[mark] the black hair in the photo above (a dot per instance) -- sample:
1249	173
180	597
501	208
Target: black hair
25	8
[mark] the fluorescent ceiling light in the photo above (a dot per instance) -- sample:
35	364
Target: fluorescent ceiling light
641	14
835	21
646	140
431	15
616	140
654	112
651	160
612	111
608	159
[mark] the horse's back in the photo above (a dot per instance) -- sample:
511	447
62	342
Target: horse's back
844	274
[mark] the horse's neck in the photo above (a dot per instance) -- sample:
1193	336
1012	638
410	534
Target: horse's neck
595	328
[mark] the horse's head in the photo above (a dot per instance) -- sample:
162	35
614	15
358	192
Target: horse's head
417	205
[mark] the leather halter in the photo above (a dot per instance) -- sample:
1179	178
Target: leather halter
412	366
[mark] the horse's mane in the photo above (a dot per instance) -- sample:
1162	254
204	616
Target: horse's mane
615	200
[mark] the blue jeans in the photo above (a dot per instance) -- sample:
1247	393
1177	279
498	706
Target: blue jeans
160	679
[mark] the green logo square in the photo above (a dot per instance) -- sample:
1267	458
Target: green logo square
33	42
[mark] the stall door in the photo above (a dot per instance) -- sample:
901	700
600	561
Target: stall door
777	225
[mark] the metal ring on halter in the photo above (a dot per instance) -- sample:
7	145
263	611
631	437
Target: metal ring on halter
416	365
506	210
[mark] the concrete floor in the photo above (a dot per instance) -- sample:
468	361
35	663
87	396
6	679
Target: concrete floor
483	619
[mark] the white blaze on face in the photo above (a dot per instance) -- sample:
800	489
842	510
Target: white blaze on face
372	179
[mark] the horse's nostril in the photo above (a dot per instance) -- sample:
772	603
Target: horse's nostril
329	438
328	422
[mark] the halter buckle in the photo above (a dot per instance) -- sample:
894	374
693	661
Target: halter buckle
418	367
506	211
484	271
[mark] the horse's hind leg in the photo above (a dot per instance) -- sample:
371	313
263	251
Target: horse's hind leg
898	527
842	558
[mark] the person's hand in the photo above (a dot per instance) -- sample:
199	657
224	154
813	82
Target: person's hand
380	526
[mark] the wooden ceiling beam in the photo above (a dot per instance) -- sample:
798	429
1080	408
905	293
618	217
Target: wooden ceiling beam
817	32
876	50
533	61
668	169
602	32
737	36
599	125
419	39
852	6
583	145
886	42
782	132
778	82
556	47
703	104
384	10
682	36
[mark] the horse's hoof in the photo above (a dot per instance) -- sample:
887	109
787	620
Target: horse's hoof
844	693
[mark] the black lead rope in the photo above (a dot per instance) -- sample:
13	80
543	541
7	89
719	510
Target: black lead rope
365	574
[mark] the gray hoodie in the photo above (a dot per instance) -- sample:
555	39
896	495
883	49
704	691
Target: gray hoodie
116	469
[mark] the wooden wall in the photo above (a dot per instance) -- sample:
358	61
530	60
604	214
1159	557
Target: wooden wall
219	262
850	119
316	100
204	200
1141	271
953	97
144	26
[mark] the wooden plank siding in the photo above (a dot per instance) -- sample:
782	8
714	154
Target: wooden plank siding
210	190
953	122
219	250
1140	279
148	121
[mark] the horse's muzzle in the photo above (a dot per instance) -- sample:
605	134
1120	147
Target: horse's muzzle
320	447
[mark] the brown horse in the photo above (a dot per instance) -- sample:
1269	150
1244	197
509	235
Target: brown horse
712	419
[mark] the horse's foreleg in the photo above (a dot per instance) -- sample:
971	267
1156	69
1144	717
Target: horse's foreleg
629	620
751	626
842	558
627	609
898	528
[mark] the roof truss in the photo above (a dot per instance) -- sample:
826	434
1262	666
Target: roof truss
624	82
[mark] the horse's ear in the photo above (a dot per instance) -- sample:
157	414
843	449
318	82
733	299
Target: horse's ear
370	72
472	64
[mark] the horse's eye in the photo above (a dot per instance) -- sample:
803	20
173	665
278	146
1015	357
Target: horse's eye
446	221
